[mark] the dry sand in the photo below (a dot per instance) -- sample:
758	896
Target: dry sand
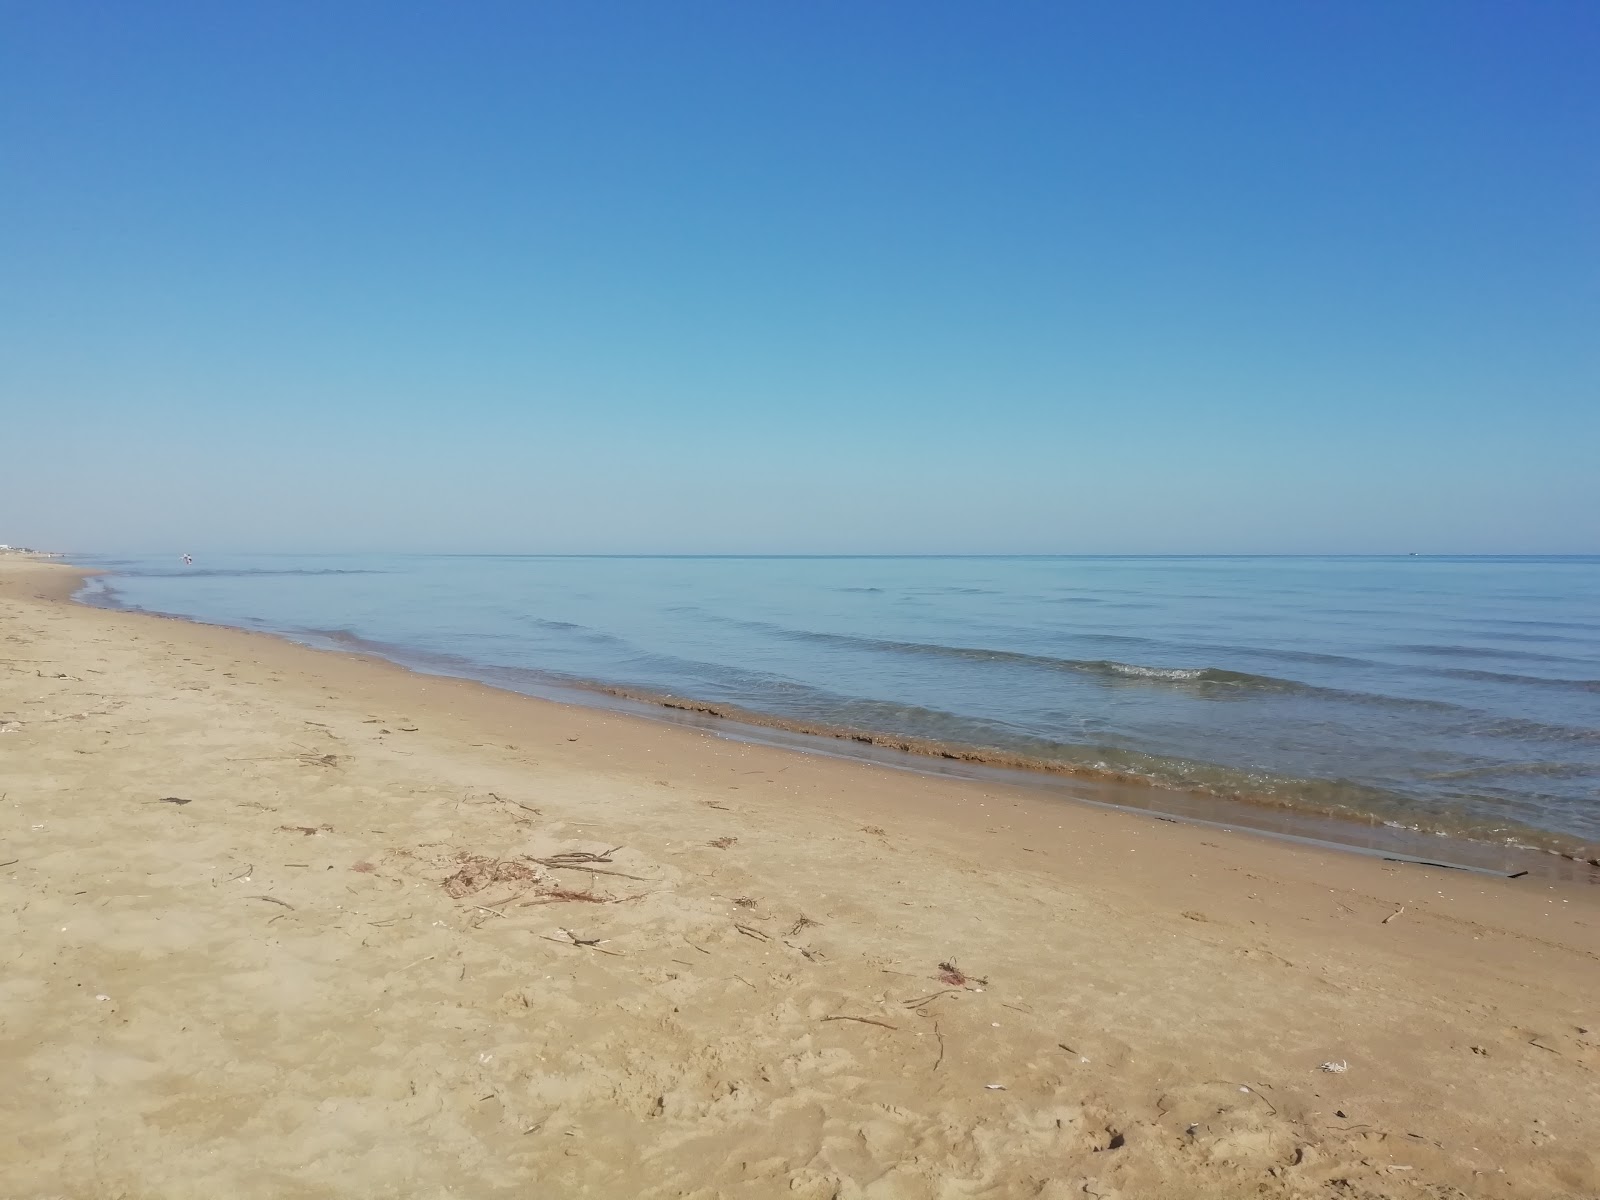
275	930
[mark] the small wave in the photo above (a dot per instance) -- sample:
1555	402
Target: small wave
1580	626
98	593
1217	678
1138	672
1104	668
1204	683
1543	638
347	639
243	572
1548	770
1517	728
1477	652
1543	681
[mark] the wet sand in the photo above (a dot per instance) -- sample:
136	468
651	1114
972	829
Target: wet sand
279	926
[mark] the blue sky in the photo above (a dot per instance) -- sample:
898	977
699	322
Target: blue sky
826	277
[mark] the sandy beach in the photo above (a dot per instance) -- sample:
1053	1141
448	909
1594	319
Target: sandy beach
289	923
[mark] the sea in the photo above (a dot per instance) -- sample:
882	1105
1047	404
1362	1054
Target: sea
1429	701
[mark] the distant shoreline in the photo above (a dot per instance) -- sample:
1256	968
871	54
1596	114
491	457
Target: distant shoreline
1529	850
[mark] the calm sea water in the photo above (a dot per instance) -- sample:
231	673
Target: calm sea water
1444	694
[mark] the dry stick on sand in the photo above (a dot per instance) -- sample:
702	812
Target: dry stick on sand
809	953
273	900
940	1036
585	943
572	857
582	860
749	932
864	1021
931	997
528	807
560	895
1393	915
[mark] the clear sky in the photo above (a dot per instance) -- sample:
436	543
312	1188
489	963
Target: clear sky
804	277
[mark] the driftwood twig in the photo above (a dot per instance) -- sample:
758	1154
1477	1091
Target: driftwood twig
585	943
584	860
931	997
527	807
864	1021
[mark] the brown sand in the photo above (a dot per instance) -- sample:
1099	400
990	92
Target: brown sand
336	970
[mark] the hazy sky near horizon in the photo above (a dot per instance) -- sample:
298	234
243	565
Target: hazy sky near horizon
725	277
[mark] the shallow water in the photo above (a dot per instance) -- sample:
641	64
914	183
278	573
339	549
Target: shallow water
1457	695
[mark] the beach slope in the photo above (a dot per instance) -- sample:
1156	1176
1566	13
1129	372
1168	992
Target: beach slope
286	923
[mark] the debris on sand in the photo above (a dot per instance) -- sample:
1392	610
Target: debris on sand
477	872
863	1021
596	944
562	895
956	977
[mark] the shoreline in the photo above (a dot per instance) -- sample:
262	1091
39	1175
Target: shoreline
290	922
1522	849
